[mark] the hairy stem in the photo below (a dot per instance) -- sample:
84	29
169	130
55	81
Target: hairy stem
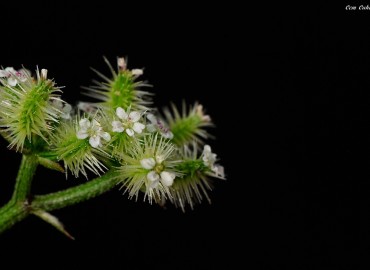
12	215
25	175
19	207
76	194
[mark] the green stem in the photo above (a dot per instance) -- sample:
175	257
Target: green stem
12	215
76	194
18	206
24	178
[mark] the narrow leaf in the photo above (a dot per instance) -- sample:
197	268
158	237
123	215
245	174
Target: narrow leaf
52	220
47	163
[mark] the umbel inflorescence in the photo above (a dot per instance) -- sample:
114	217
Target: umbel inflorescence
158	157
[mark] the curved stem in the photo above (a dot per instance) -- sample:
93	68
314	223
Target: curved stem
19	207
76	194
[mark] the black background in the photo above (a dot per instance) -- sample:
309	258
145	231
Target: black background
295	145
312	193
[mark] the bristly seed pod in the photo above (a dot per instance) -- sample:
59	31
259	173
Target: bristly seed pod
26	108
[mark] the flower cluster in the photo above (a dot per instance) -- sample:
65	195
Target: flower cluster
150	165
153	154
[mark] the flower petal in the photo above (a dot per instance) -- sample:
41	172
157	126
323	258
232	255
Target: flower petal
117	126
95	125
94	141
134	116
130	132
67	108
24	72
207	149
66	111
105	136
209	159
121	113
82	134
10	70
86	107
58	104
167	178
151	118
219	171
84	124
22	77
154	184
12	81
167	135
4	73
137	72
121	63
138	127
147	163
152	176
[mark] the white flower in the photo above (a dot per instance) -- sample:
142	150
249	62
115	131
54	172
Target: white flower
149	165
13	76
87	107
121	63
158	125
157	173
129	122
219	171
200	112
93	130
209	160
65	109
137	72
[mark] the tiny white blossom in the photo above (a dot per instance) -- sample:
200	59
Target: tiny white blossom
158	125
157	173
87	107
64	108
147	163
219	171
137	72
129	122
209	160
200	112
94	131
13	76
121	63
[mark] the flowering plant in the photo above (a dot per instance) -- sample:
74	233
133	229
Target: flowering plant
119	140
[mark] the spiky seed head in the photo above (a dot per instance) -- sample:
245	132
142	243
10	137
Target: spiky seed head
26	108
